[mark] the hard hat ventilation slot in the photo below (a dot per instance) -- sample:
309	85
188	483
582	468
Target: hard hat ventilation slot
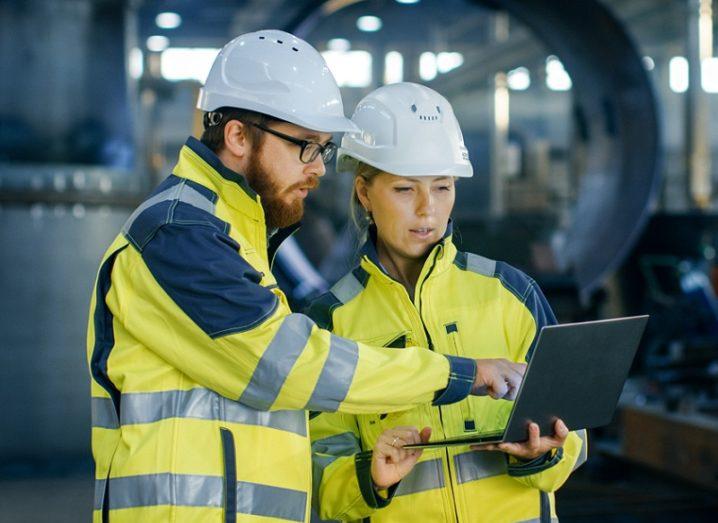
295	49
279	42
427	118
413	108
261	37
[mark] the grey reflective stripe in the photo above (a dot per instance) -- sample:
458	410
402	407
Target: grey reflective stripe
327	450
536	520
148	407
426	475
347	288
480	265
181	192
277	361
583	453
271	502
103	414
320	462
191	490
471	466
99	493
336	376
344	444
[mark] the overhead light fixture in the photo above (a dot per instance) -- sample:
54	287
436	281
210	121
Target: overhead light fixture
427	66
407	2
519	79
369	24
158	43
135	64
187	63
709	75
678	74
446	62
168	20
339	44
350	68
557	79
393	67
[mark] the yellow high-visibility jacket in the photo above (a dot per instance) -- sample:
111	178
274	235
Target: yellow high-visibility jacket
201	376
464	305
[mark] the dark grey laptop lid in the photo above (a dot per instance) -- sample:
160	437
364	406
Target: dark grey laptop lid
576	373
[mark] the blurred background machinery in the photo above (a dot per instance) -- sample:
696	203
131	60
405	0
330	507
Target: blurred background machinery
592	128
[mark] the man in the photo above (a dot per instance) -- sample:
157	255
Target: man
201	375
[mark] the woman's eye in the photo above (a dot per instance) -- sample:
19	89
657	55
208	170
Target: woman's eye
444	187
402	189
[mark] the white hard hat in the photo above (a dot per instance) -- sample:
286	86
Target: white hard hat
407	129
278	74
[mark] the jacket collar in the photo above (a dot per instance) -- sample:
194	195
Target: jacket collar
199	163
442	254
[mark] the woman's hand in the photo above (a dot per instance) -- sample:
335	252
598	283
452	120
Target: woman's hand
390	462
535	446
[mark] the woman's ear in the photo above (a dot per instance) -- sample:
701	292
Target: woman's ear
362	190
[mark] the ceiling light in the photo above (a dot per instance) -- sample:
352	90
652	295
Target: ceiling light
369	24
158	43
168	20
339	44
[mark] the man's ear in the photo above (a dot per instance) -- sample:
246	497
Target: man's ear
236	140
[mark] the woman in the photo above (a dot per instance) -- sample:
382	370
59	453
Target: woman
413	288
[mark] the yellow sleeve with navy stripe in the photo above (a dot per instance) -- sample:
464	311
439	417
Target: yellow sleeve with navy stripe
192	299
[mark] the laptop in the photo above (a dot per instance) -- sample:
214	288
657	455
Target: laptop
576	374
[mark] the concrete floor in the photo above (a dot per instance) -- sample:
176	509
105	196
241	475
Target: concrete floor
607	491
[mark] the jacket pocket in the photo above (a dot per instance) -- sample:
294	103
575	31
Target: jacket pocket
467	412
230	476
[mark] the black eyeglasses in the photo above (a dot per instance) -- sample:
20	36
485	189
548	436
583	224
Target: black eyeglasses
308	150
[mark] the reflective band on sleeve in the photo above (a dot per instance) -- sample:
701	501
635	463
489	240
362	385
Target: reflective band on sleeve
426	475
583	453
336	376
344	444
471	466
149	407
277	361
190	490
99	493
104	415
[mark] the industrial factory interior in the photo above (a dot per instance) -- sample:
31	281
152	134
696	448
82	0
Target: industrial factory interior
592	130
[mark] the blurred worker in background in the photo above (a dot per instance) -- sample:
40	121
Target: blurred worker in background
414	288
201	375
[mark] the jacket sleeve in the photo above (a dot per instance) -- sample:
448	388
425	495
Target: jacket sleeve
197	304
549	471
342	485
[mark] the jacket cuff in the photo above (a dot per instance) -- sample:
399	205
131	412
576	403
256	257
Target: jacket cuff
462	373
362	462
519	468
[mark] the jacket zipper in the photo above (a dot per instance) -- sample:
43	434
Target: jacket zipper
419	304
230	476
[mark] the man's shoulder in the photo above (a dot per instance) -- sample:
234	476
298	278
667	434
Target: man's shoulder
176	201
